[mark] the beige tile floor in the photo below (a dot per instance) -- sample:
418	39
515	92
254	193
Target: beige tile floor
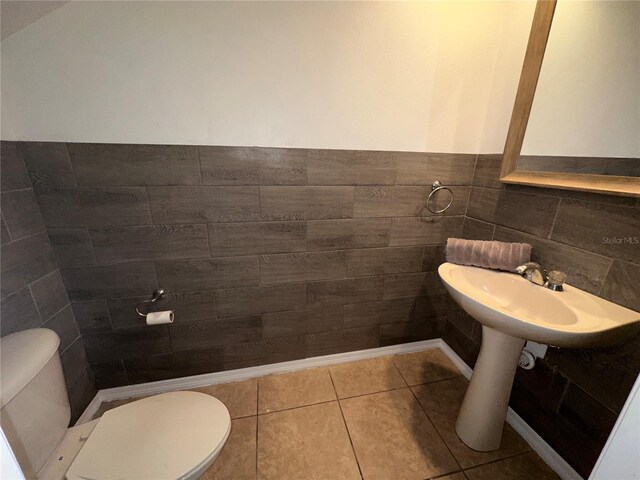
385	418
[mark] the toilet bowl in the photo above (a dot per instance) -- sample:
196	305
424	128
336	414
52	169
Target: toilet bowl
172	436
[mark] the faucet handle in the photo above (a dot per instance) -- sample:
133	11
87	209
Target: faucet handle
526	266
555	280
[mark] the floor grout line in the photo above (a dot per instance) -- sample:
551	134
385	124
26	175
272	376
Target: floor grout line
296	408
257	424
344	421
498	460
442	475
436	429
425	411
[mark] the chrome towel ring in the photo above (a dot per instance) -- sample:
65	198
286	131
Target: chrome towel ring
437	186
157	295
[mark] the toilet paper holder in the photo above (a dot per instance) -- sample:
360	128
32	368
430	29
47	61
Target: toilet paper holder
157	295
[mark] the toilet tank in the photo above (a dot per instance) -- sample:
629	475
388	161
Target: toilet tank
35	409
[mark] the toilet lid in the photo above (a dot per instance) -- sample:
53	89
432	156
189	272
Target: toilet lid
165	436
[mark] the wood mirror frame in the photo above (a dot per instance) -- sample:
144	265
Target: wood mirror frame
613	185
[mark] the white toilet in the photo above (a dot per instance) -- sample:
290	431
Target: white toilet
170	436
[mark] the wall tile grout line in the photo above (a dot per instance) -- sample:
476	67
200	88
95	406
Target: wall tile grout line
8	232
604	280
125	370
57	312
91	246
146	195
14	240
250	255
563	395
78	338
29	285
206	236
475	169
555	217
17	190
110	318
248	222
199	164
73	172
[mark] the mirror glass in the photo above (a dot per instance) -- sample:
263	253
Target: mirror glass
585	116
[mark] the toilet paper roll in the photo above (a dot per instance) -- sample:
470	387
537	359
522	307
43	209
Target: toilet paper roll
158	318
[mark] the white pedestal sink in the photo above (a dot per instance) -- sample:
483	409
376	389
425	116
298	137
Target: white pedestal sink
511	311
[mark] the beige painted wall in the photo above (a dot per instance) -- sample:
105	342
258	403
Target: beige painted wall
421	76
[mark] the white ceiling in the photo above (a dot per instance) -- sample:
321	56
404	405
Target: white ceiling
17	14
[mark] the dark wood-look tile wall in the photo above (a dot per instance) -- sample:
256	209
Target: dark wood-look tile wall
49	294
72	247
384	261
204	204
33	294
4	231
354	167
118	164
93	206
49	164
273	254
595	239
153	242
21	214
267	254
229	239
253	166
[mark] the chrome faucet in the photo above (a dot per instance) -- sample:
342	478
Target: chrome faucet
533	272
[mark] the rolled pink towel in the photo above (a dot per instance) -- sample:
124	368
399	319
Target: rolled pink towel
488	254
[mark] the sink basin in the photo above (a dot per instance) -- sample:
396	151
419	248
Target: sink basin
511	311
509	303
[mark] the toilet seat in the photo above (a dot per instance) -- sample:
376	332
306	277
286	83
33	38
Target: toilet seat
173	436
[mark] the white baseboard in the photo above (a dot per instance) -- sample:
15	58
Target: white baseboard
195	381
457	361
542	448
91	409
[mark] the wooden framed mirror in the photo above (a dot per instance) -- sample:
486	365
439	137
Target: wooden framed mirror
576	119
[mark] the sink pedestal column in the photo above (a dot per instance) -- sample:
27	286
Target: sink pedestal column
485	404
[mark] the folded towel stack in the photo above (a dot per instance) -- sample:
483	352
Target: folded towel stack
486	254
